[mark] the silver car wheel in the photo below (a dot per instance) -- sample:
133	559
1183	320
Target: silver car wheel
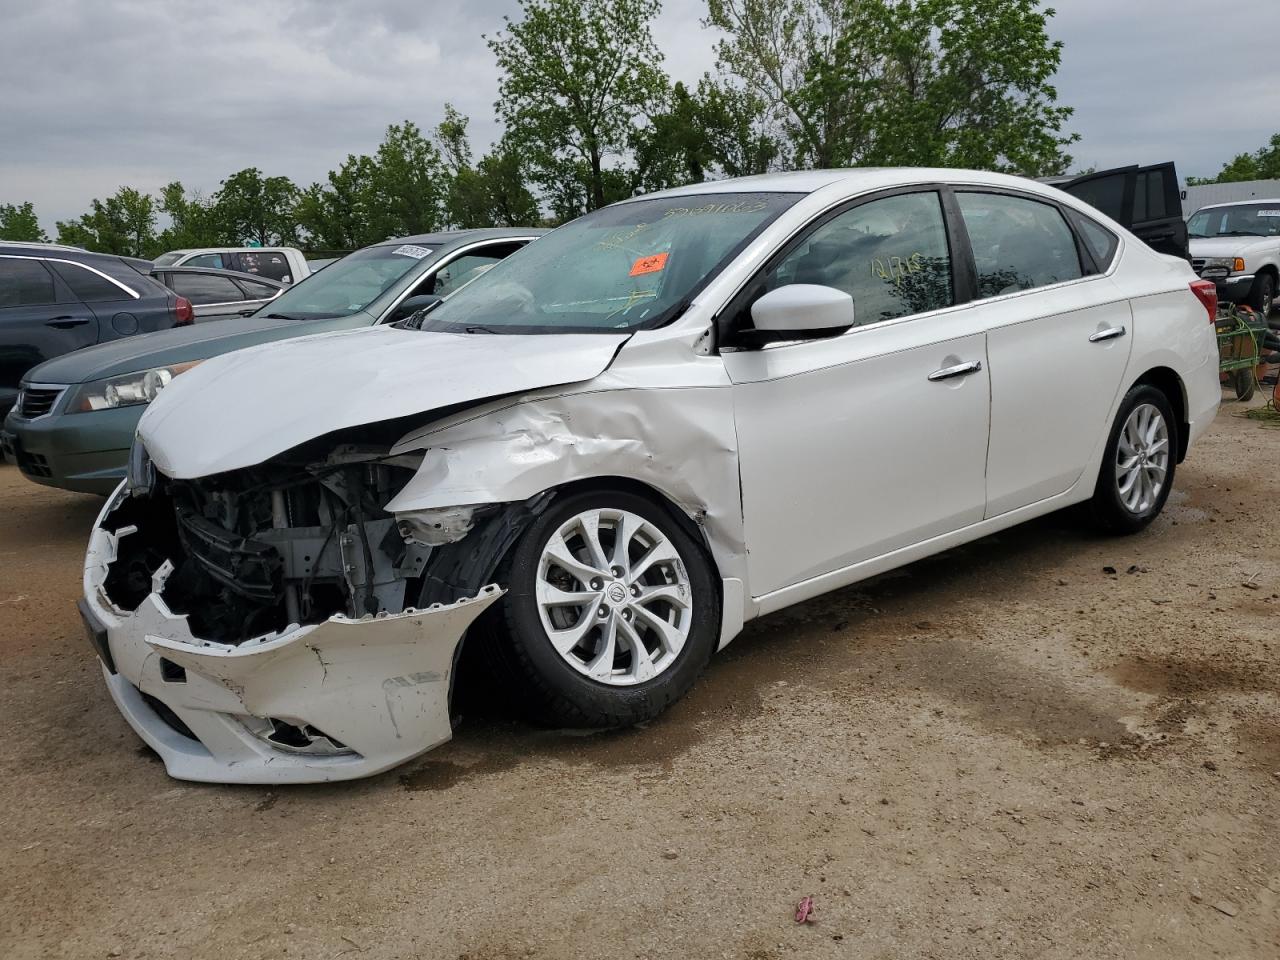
1142	458
614	597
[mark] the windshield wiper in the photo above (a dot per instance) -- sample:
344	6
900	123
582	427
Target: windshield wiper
1239	233
283	316
478	329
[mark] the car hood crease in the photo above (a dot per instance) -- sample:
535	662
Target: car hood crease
245	407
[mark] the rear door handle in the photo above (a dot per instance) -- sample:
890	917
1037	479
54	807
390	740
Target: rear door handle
1106	334
66	323
959	370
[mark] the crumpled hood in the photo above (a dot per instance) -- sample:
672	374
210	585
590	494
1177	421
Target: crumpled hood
240	409
1232	246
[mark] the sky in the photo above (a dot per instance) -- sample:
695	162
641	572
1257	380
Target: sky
96	94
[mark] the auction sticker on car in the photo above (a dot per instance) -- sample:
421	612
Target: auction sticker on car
409	250
648	265
1269	213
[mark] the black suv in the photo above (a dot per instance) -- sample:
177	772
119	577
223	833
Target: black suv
56	299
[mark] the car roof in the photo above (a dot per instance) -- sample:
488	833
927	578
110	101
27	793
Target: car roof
1241	203
452	237
36	245
852	179
186	250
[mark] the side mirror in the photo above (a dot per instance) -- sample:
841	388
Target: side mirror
407	308
801	311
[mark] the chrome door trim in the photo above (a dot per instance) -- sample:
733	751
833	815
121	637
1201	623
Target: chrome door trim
75	263
959	370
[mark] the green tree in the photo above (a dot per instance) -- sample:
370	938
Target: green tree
335	215
258	208
920	82
123	225
194	221
490	193
407	184
578	78
19	222
1262	164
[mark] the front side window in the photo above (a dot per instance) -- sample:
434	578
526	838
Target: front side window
25	283
630	266
204	288
1240	220
205	260
351	284
890	255
1018	244
458	273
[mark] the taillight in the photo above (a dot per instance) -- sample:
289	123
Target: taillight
1206	292
187	314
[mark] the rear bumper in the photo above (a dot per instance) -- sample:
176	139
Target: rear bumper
86	452
377	688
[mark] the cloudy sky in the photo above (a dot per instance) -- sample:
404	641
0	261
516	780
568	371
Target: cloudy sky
99	93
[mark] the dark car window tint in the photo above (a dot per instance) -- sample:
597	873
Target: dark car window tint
25	283
206	260
890	255
87	285
273	265
1148	197
257	291
1017	243
203	288
1102	193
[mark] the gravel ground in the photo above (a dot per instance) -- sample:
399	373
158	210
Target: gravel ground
1006	751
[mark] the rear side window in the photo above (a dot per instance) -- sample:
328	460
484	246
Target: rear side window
87	285
1149	197
265	264
1018	244
257	291
1100	242
205	288
890	255
25	283
1105	193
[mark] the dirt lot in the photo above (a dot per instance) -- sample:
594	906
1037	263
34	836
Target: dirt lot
1007	751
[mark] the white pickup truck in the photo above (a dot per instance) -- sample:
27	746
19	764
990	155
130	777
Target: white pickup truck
1237	245
285	264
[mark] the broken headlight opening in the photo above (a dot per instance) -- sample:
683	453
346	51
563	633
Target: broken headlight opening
295	540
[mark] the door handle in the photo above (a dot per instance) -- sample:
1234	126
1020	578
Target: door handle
959	370
66	323
1106	334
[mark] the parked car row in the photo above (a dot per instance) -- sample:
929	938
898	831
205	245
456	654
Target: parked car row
80	412
282	264
596	457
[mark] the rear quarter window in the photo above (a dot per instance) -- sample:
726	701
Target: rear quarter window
89	286
1098	240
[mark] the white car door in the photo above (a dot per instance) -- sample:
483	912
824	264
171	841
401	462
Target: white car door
1057	342
855	446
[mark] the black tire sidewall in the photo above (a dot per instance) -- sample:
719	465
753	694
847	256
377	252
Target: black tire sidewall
568	696
1264	284
1109	511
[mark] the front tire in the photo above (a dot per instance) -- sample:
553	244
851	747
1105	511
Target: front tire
1138	464
611	612
1263	296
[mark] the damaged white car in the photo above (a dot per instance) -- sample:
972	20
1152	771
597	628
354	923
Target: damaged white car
600	459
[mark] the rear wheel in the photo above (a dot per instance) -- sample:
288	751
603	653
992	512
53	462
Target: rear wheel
1139	462
1243	382
611	612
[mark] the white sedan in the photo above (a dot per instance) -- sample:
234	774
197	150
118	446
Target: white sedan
600	459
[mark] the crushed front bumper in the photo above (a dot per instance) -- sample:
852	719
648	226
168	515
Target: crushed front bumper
377	688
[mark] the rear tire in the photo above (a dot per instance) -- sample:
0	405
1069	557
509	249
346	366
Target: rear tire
1243	382
1138	463
564	638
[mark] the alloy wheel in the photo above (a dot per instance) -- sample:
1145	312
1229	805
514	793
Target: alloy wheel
614	596
1142	458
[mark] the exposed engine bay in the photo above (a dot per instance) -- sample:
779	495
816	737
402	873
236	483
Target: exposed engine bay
294	541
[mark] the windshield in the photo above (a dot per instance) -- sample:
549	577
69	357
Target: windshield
165	259
349	285
1244	220
624	267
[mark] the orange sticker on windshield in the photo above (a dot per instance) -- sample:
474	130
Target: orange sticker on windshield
648	265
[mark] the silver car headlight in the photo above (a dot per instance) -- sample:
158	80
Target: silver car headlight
126	390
